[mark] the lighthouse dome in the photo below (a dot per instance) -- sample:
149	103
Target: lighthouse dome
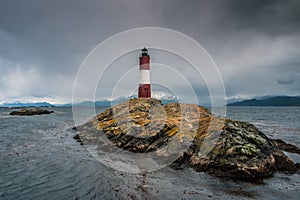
144	52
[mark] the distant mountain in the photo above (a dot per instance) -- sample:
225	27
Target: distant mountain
24	104
103	103
272	101
66	105
107	103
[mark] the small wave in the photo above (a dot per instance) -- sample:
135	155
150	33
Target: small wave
59	112
263	124
70	129
6	116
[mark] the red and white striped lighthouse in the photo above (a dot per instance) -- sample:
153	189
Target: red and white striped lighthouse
144	84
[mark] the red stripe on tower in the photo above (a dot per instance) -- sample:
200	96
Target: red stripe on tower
144	84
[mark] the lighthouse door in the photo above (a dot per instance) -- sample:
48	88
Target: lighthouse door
146	92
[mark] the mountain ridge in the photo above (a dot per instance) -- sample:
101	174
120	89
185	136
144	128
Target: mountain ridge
19	104
99	103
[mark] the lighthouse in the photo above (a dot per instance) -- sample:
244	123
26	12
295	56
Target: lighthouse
144	82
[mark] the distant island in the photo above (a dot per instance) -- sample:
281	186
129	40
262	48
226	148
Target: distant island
272	101
31	111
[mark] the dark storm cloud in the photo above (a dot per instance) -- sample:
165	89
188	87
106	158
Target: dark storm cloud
42	43
272	17
285	81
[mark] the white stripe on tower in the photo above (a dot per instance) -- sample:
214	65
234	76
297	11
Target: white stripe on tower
144	76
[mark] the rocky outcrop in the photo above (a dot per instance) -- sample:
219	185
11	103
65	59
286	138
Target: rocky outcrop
243	152
31	111
220	146
286	147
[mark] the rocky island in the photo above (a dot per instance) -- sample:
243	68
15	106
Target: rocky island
220	146
30	112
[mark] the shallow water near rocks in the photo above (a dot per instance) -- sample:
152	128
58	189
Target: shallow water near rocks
41	160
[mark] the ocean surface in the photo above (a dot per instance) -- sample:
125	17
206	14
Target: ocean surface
41	160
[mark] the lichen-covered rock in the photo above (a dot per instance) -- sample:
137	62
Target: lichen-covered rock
220	146
31	111
243	152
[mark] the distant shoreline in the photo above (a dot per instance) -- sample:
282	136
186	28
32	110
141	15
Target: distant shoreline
280	101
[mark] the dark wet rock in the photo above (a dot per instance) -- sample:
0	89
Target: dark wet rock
283	163
31	111
77	138
286	147
220	146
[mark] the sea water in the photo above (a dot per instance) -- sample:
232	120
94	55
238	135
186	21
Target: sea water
41	160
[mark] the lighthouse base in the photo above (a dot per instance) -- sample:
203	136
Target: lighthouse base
144	91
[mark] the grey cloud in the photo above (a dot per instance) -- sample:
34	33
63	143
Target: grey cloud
248	40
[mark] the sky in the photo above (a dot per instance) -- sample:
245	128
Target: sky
255	44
